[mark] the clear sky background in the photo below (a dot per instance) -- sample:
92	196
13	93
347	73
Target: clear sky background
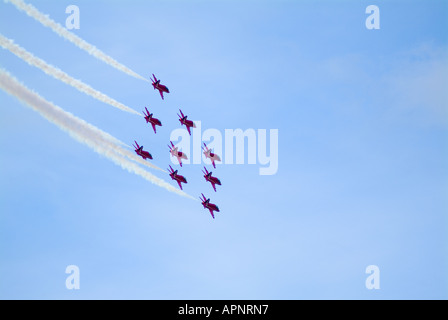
362	180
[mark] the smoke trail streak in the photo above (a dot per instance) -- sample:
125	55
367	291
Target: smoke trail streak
80	43
113	143
60	75
78	129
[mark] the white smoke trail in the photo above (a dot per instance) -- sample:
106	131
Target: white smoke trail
61	75
80	43
79	129
112	142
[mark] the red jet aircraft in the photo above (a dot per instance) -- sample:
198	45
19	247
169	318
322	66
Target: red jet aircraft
178	154
188	123
210	155
210	206
213	180
175	176
153	121
156	84
139	150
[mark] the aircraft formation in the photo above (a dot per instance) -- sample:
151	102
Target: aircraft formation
174	174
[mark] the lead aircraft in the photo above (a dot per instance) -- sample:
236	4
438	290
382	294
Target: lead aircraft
210	206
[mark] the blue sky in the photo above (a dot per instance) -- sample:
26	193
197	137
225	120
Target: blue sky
362	117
